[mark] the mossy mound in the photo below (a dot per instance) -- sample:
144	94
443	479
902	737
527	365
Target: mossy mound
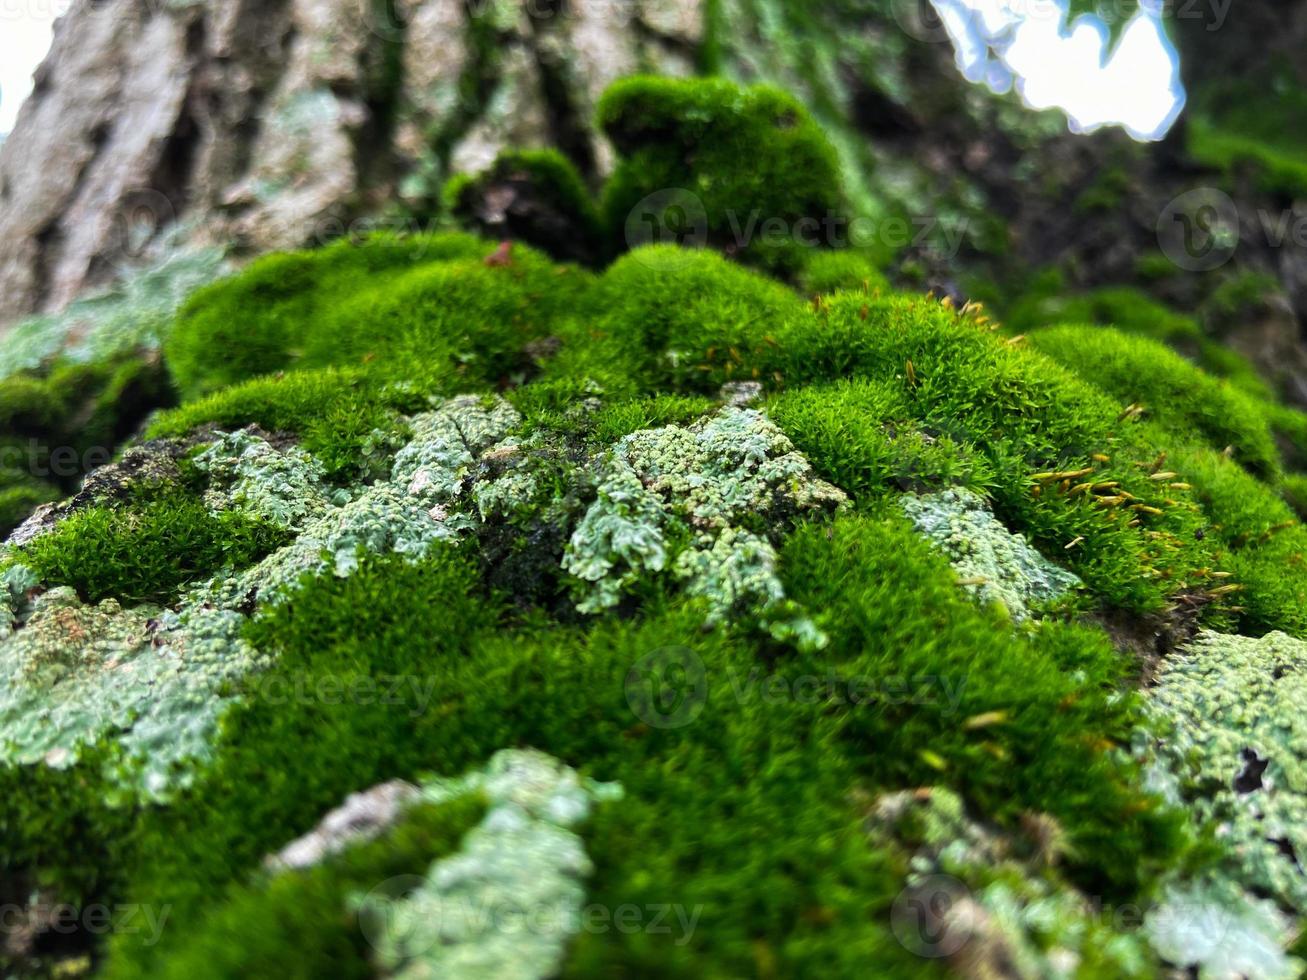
689	622
59	423
683	144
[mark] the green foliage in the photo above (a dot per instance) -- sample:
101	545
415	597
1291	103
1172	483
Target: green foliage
1182	399
147	551
745	156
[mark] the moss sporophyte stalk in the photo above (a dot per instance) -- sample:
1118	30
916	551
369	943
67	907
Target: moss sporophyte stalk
597	528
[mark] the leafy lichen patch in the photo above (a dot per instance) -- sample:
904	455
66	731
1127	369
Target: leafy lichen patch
995	564
447	441
1235	753
1216	929
993	903
727	480
283	486
148	681
406	515
524	863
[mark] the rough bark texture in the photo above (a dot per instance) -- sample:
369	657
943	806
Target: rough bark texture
270	122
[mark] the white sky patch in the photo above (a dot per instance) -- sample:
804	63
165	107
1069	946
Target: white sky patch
25	34
1027	44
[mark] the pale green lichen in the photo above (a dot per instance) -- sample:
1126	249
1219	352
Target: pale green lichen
1218	930
384	520
247	473
1235	753
507	904
996	904
16	581
996	565
446	443
618	541
132	315
720	480
725	468
148	683
735	572
406	515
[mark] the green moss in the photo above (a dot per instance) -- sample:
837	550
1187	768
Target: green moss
61	421
550	207
29	405
298	924
1235	128
1038	428
470	318
828	272
1290	428
615	420
1048	302
1294	489
149	550
1236	296
742	156
262	316
633	338
1180	397
867	440
778	813
19	496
